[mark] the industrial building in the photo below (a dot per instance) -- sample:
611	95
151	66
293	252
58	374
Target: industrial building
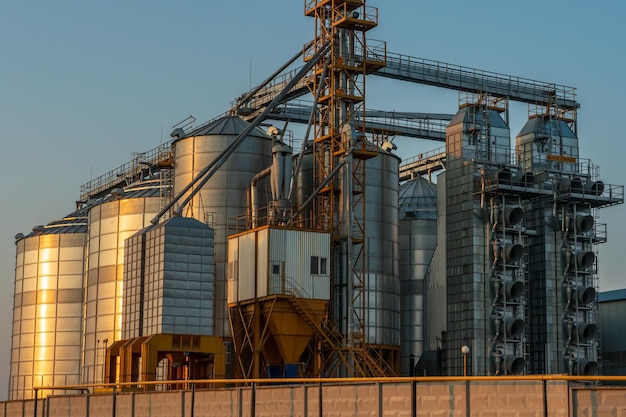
243	249
612	307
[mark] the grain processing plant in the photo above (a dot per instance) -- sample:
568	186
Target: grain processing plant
288	237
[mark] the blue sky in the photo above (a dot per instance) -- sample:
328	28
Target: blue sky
83	84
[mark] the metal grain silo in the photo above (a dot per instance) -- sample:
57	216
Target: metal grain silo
118	216
382	285
382	294
417	241
224	196
168	279
48	306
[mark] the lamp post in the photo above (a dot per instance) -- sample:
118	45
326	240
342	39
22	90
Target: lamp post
465	350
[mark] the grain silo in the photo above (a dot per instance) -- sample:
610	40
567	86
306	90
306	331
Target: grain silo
48	305
417	241
114	219
225	196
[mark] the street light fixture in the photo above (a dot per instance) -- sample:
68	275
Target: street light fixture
465	350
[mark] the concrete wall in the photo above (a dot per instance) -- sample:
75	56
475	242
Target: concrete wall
515	398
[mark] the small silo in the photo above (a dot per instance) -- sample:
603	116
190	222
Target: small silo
224	196
417	241
547	144
48	306
117	217
168	279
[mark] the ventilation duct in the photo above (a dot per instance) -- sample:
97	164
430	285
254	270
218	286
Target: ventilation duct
524	179
512	252
572	185
583	224
584	367
581	332
502	176
586	332
585	259
580	260
594	187
513	290
513	216
514	328
585	296
510	217
508	364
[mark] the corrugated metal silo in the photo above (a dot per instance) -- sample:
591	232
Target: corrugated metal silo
119	216
382	298
48	306
224	196
382	309
417	241
169	276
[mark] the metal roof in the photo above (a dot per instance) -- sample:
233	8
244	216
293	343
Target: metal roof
419	197
547	126
476	117
227	125
614	295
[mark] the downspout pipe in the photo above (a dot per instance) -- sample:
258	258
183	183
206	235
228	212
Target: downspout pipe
253	197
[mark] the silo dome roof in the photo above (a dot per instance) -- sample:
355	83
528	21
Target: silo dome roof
418	199
227	125
75	222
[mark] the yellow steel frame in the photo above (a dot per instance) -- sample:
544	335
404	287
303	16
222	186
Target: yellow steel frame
341	102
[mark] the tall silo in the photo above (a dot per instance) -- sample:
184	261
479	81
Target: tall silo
563	271
382	298
117	217
477	140
381	319
417	241
224	196
48	306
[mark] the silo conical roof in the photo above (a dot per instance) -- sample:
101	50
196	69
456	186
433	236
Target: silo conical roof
418	199
227	125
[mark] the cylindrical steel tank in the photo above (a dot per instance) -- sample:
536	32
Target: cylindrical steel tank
382	283
224	196
417	241
304	186
382	293
119	215
48	306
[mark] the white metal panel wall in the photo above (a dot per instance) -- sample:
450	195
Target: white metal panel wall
295	248
262	261
247	273
233	270
254	255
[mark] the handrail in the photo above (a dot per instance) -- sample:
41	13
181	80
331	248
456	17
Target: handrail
244	381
